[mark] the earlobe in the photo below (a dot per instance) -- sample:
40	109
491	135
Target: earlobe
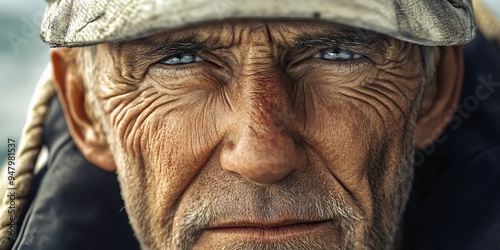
84	130
439	104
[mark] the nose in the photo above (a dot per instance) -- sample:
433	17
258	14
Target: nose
261	142
262	155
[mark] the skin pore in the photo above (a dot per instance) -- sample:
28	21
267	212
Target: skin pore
254	134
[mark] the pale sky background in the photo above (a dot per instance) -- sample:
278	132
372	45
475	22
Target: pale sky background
23	58
494	5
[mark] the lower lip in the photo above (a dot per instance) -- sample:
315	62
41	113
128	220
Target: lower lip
272	233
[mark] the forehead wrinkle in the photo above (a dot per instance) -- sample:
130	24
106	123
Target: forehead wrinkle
208	36
213	36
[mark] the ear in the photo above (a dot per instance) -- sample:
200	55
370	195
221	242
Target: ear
441	96
84	129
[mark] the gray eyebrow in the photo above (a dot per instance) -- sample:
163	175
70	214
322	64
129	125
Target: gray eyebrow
350	39
169	48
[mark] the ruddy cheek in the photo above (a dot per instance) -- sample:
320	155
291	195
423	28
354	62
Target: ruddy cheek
342	139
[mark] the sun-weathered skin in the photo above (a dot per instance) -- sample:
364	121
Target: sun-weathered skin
261	131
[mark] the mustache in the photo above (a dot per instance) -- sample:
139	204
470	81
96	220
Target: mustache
258	205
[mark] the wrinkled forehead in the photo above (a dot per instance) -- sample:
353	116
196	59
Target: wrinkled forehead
237	32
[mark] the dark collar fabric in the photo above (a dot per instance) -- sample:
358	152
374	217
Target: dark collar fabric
454	204
76	204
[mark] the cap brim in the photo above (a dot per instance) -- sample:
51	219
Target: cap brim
424	22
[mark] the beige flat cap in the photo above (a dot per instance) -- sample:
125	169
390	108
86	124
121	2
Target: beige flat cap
70	23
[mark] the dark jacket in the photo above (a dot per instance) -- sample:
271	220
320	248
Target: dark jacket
455	199
454	203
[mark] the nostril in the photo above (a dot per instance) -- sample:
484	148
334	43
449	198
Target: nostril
232	173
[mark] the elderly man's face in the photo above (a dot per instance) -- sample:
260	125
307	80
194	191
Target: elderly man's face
262	135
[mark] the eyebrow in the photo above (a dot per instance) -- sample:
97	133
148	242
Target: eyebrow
169	46
348	39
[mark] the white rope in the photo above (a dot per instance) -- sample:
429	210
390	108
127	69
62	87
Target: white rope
27	154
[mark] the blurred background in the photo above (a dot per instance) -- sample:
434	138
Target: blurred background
493	5
23	58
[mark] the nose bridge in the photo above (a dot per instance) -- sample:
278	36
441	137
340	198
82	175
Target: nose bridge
263	105
264	101
262	85
261	148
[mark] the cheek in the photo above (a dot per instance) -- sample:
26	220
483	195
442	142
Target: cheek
167	134
342	134
176	148
353	122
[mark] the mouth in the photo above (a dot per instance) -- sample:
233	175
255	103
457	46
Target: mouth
270	231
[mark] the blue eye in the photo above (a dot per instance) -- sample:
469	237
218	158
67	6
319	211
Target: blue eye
336	54
183	58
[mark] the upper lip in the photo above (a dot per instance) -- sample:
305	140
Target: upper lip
268	224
